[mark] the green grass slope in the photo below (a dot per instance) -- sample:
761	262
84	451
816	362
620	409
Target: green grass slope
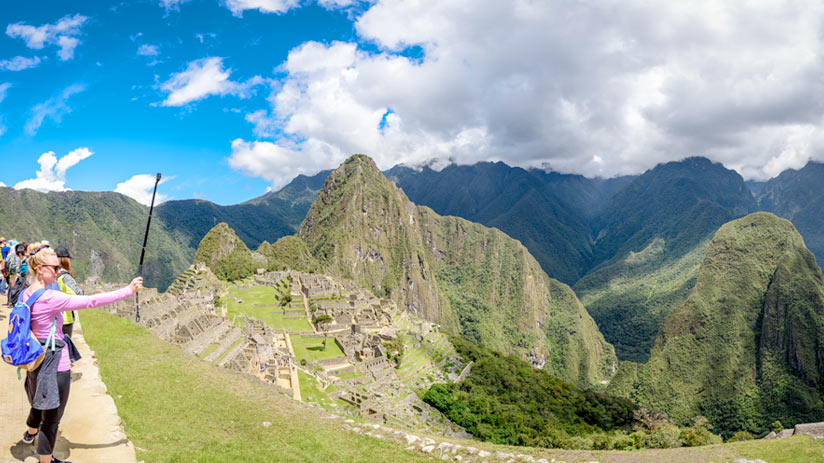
474	280
745	349
103	230
177	408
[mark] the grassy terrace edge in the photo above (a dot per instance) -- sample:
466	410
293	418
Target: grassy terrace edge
178	408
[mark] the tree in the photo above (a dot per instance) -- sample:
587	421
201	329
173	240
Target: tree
322	323
285	300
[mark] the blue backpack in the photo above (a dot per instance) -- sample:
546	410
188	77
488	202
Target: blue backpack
21	349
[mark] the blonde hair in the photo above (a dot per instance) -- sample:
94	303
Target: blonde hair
38	259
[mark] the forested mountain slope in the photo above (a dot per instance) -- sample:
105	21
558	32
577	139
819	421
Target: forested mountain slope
103	230
798	195
266	218
511	199
651	239
747	347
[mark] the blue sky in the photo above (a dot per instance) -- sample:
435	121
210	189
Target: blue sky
116	109
230	97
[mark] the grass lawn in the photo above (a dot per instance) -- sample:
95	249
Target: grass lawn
273	316
208	350
312	348
310	391
177	408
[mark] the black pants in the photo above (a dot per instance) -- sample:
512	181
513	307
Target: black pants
47	420
67	329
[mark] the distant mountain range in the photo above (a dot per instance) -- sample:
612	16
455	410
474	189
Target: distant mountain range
630	246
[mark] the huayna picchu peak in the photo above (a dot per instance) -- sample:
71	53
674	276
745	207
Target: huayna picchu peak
473	280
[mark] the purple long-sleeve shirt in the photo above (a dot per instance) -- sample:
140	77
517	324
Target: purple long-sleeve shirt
53	303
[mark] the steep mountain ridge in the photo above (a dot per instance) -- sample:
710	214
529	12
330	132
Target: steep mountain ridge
747	347
797	195
511	199
474	280
653	235
265	218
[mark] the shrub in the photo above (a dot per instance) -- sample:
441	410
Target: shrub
624	442
601	442
664	436
740	436
776	427
578	443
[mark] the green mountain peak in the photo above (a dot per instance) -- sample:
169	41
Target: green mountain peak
474	280
747	347
225	254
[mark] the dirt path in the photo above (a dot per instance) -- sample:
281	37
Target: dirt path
90	431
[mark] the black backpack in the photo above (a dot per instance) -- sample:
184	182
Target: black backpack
14	291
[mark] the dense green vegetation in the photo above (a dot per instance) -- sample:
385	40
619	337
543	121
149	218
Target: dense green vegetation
504	400
473	280
103	231
651	239
743	350
630	297
218	415
226	255
288	252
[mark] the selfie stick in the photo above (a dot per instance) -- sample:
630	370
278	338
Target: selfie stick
143	251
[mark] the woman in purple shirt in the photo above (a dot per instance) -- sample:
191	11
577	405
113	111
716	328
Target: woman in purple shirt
41	386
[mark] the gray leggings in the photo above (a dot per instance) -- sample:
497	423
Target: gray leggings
48	420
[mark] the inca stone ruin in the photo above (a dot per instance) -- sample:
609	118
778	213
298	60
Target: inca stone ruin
362	383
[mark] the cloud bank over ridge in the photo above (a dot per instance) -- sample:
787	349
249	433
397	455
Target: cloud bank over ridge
597	88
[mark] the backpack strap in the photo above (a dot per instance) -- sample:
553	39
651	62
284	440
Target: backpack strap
34	297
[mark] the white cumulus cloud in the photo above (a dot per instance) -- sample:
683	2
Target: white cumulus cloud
170	5
52	173
202	78
3	89
19	63
598	88
148	50
140	188
54	108
237	7
64	34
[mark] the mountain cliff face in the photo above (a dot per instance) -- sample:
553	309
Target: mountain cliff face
474	280
103	230
652	238
747	347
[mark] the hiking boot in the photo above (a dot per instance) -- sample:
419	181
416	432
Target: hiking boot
28	438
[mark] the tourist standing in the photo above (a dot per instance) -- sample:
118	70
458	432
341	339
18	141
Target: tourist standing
68	285
48	386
